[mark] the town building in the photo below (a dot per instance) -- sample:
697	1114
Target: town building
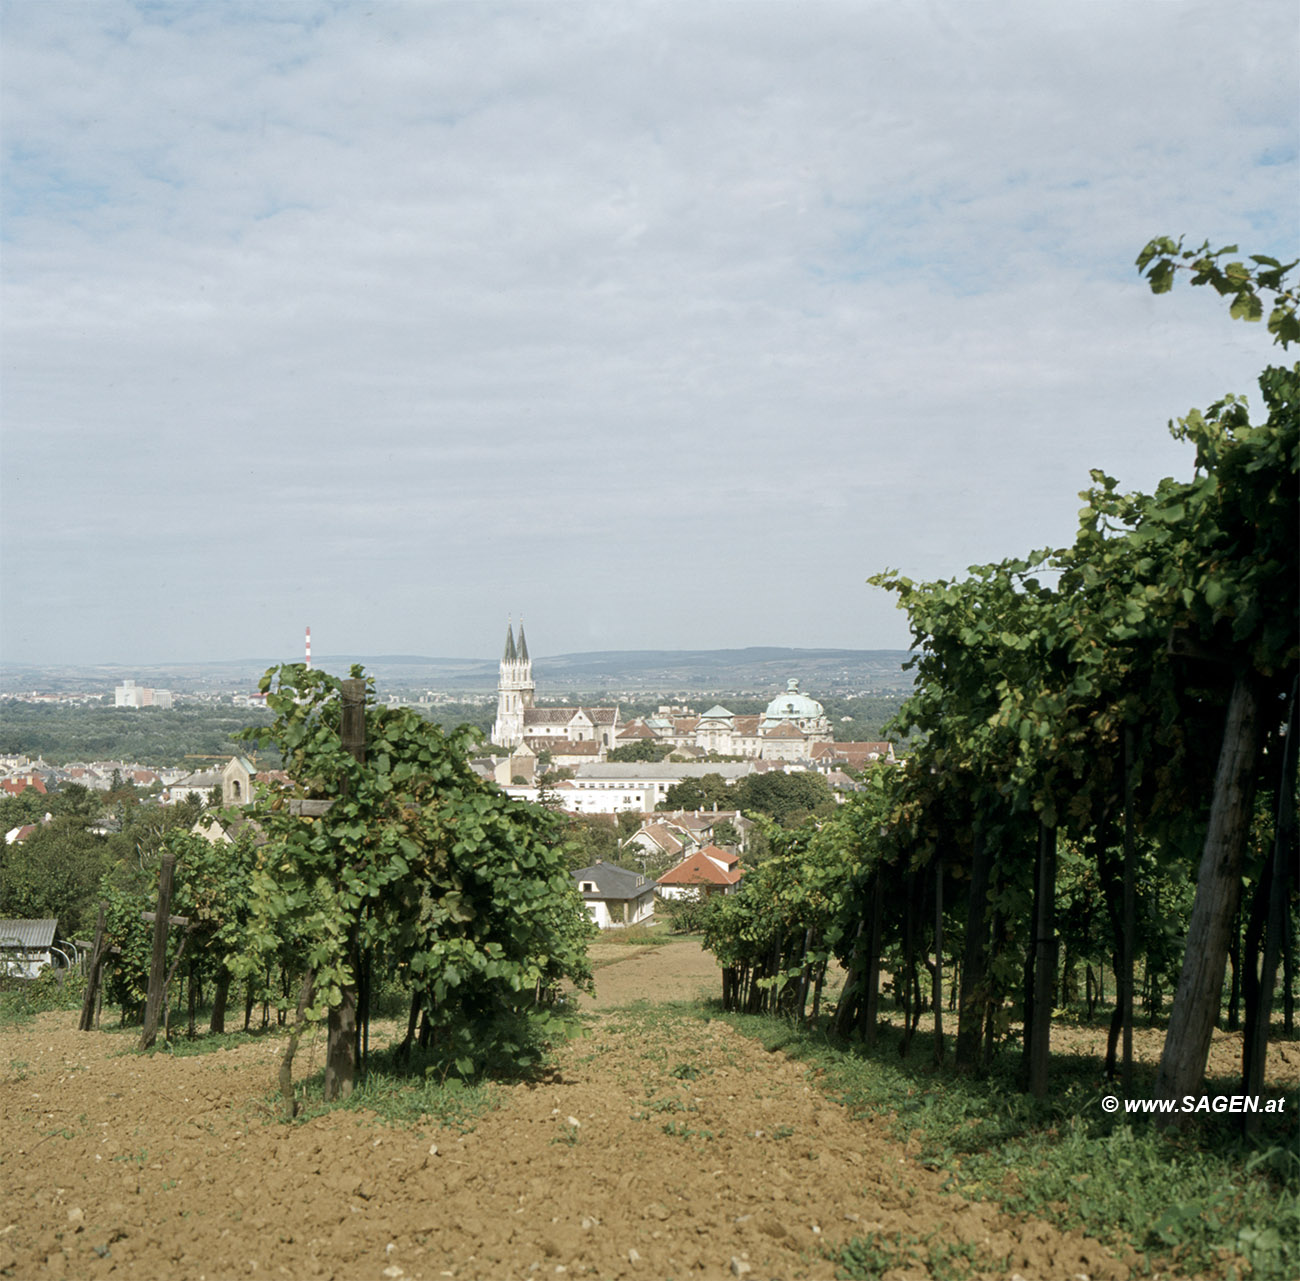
614	896
789	729
615	787
129	694
708	871
544	729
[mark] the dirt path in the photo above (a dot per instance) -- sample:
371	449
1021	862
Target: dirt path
661	1146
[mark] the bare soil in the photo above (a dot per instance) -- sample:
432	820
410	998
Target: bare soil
660	1145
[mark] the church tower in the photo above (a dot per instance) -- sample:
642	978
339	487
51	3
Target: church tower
514	690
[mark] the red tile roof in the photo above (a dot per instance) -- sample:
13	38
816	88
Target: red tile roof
720	855
16	785
699	869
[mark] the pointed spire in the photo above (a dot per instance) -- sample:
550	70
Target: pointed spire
523	644
509	655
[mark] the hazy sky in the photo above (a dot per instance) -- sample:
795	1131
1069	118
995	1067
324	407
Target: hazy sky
664	325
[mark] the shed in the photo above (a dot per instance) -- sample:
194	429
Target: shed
27	947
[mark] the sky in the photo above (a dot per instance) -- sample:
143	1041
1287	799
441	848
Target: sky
661	325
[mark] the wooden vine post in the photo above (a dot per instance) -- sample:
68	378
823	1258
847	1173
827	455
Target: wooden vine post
974	986
1040	1028
158	974
936	994
341	1052
1218	889
1129	924
93	974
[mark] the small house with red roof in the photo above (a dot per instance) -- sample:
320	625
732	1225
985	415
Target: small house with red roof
711	870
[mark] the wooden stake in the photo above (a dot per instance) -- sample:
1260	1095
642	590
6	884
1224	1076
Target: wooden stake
92	978
1040	1031
158	962
344	1040
937	991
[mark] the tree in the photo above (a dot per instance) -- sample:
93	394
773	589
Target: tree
55	872
1227	542
707	792
642	750
418	869
787	797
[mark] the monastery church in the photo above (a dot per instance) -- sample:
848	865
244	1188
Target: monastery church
583	731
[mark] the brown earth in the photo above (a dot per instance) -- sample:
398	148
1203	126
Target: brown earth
660	1145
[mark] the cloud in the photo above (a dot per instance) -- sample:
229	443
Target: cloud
596	311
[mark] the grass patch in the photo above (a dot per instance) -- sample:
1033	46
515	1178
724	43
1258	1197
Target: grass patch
643	934
1201	1202
424	1088
21	1000
410	1100
870	1257
181	1046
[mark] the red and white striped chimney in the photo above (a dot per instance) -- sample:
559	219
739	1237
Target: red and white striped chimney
309	649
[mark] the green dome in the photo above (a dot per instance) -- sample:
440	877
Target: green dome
792	706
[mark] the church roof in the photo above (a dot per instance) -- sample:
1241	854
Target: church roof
509	655
550	715
636	730
785	730
793	706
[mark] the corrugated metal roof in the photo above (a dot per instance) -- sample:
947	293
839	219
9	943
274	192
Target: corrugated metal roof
27	934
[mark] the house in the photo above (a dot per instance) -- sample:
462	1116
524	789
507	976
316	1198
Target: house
617	787
614	896
218	830
851	756
199	785
657	840
675	835
27	947
19	784
696	827
15	835
564	753
708	871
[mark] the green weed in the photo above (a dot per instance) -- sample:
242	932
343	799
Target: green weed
869	1258
680	1130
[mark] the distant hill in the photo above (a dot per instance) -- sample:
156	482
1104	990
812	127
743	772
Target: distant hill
757	670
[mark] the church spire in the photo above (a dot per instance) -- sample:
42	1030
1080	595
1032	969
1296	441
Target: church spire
514	689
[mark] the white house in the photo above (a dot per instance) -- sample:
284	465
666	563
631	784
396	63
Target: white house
617	787
614	896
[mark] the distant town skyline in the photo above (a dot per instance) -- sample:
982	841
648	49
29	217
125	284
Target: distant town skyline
662	326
